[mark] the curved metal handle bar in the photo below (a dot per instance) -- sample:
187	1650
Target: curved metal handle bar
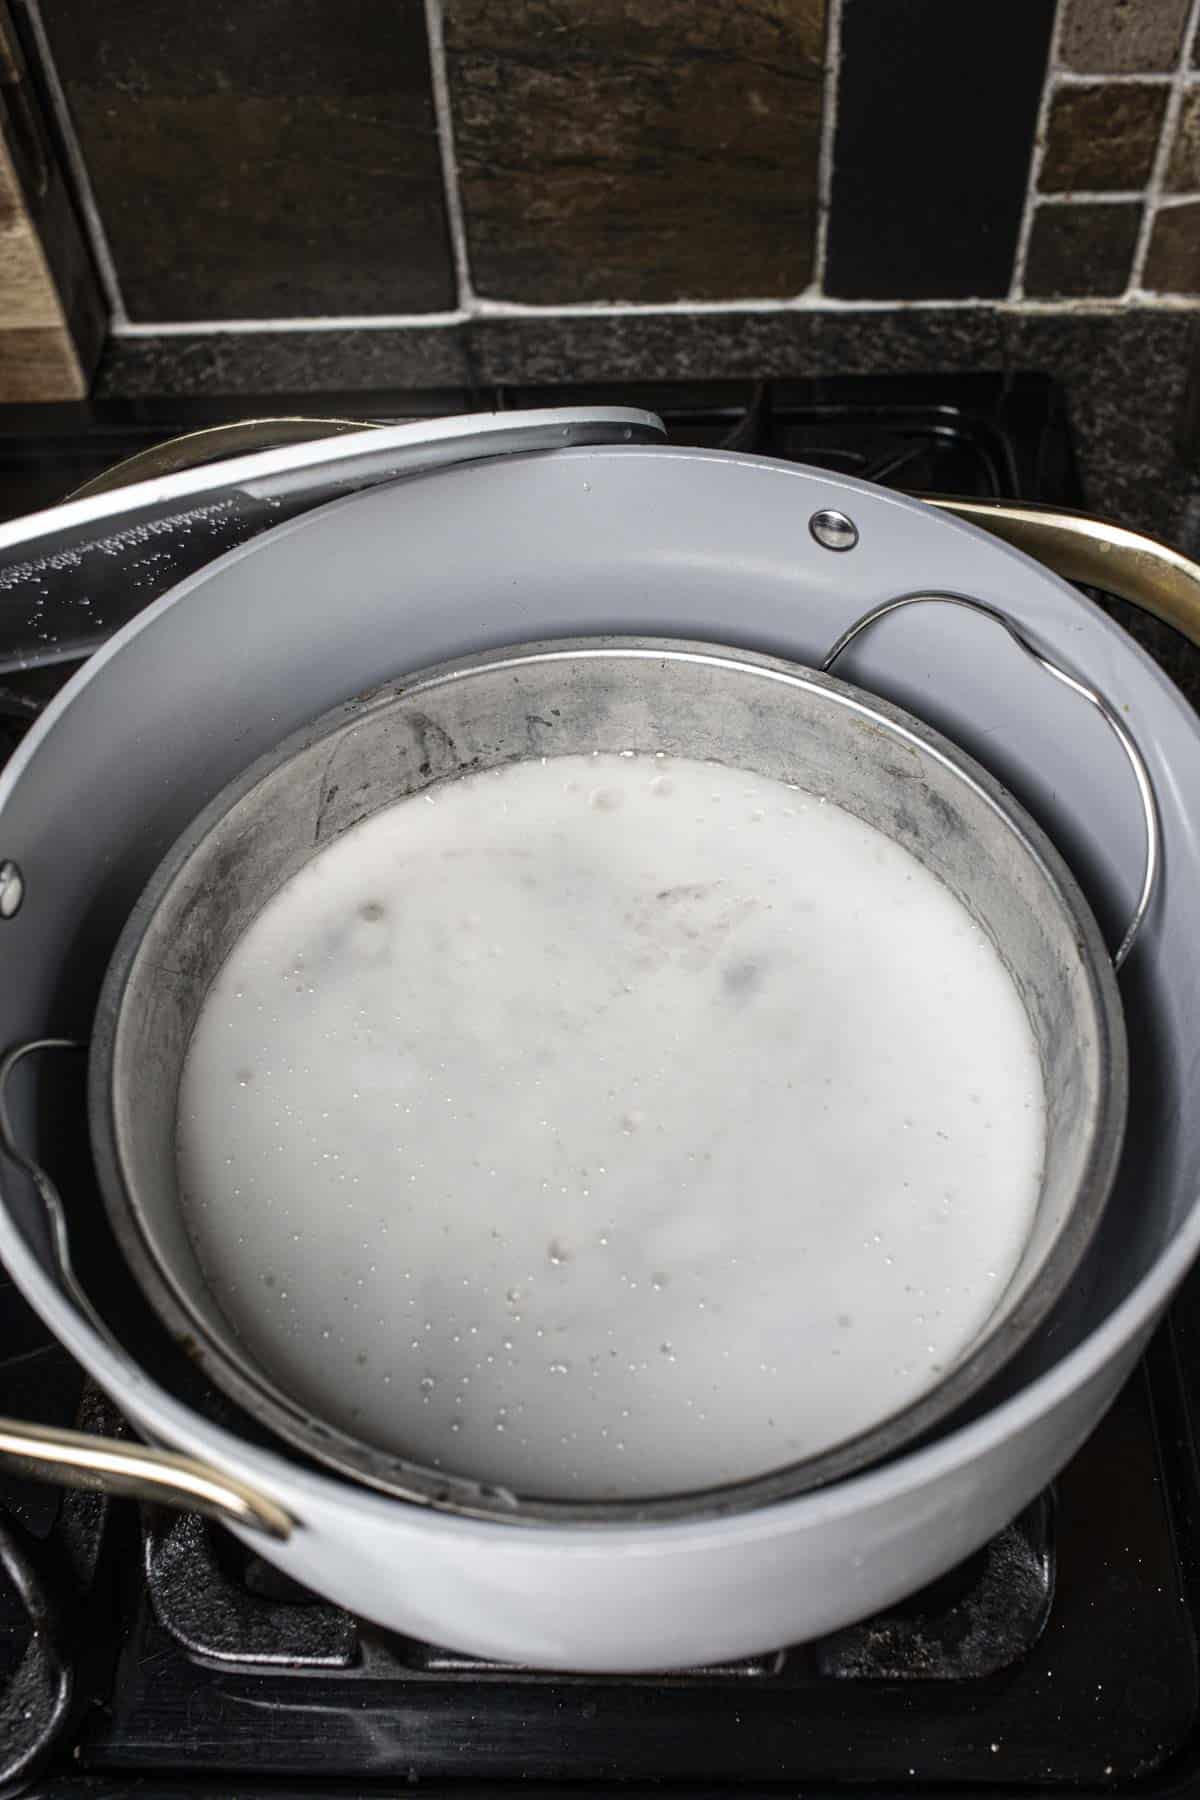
47	1193
110	1465
1126	563
1116	725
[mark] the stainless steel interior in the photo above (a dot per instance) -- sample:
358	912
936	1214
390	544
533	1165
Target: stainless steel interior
730	706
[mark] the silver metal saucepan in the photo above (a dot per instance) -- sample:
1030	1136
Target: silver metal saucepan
745	712
191	735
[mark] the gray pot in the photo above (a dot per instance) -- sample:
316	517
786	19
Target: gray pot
637	540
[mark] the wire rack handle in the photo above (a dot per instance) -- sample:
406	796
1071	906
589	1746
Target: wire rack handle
1153	859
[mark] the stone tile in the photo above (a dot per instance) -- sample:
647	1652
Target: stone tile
1183	169
1173	262
1082	250
648	150
277	159
1122	35
1102	138
937	109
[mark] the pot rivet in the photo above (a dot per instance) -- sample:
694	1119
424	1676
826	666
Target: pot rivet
833	530
12	889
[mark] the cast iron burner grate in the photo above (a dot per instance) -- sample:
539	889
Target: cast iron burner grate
996	1672
151	1654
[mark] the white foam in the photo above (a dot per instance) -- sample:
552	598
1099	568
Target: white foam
610	1126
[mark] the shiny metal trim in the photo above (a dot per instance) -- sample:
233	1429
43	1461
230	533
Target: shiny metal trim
1107	711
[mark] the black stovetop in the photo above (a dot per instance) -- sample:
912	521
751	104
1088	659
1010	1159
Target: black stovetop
149	1654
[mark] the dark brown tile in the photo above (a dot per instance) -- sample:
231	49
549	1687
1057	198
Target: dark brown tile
1102	138
1122	35
1081	250
1173	262
637	149
279	159
1183	170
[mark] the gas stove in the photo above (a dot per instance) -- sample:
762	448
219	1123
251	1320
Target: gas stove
148	1653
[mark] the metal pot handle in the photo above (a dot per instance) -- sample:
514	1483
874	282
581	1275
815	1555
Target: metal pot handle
1096	552
1108	713
110	1465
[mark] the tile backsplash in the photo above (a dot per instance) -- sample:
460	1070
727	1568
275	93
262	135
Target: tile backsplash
422	161
648	150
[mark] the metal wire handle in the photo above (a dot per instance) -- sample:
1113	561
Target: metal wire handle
110	1465
47	1193
1108	713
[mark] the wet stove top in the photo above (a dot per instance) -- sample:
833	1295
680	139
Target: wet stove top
148	1653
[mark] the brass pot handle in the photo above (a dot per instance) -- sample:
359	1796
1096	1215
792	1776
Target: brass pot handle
1125	563
110	1465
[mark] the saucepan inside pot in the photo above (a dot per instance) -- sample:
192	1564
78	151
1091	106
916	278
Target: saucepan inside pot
608	1078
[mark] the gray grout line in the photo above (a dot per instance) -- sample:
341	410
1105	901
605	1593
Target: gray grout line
92	224
1166	141
829	98
1092	197
1115	78
1101	197
456	224
1021	256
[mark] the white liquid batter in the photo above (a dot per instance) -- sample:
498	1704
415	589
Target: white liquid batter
610	1126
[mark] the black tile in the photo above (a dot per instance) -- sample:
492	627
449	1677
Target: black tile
937	108
1077	250
275	159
